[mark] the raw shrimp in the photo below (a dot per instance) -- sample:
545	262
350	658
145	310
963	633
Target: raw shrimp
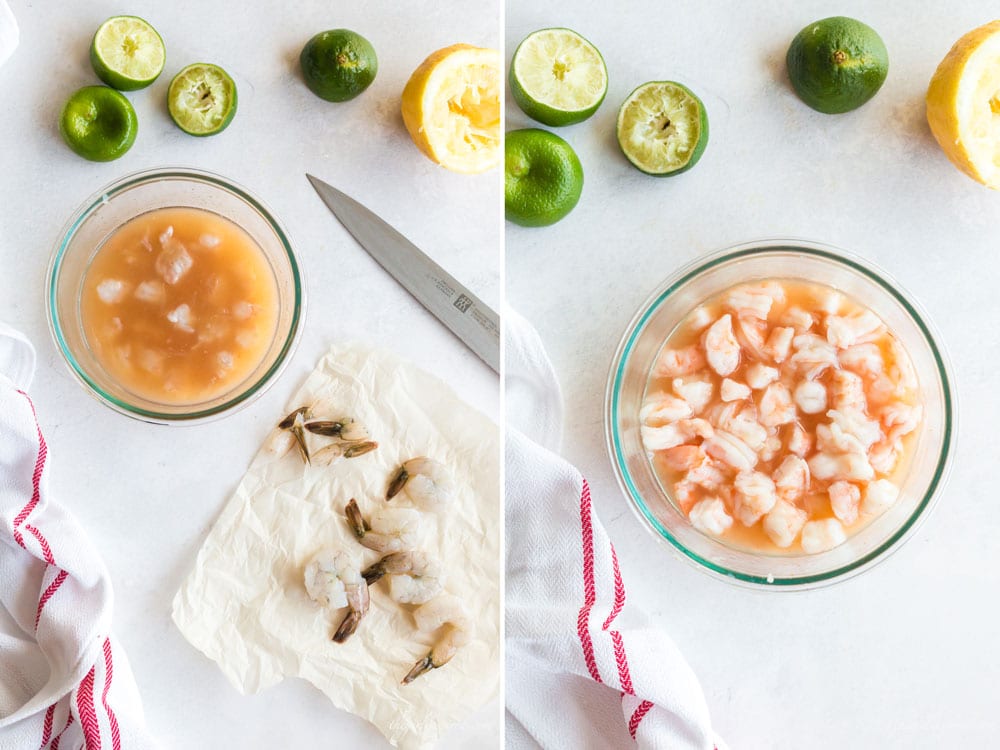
709	515
820	536
683	457
760	376
791	478
813	355
810	397
661	408
676	433
751	336
427	483
776	406
731	390
755	496
857	328
863	359
754	300
730	450
697	393
844	499
722	350
332	580
879	496
797	318
783	523
446	614
675	362
414	578
779	343
390	529
848	391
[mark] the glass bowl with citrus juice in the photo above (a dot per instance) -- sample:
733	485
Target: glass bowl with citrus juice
174	296
762	548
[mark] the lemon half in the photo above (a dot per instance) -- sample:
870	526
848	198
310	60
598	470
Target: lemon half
451	108
963	104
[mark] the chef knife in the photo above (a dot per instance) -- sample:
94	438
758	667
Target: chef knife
462	312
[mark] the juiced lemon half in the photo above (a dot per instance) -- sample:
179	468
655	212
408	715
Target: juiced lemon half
451	108
963	104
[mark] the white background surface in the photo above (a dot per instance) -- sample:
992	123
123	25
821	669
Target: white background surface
905	655
146	494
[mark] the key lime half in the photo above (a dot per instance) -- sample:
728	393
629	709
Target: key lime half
557	77
127	53
202	99
663	128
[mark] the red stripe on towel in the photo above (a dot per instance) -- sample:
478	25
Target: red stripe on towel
88	716
109	672
619	590
589	593
637	717
47	594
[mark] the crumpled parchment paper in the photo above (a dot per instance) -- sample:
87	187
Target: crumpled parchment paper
245	605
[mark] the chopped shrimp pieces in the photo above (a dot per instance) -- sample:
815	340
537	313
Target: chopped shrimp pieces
779	413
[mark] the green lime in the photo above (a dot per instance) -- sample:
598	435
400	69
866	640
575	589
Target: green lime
338	64
663	128
543	178
127	53
837	64
202	99
98	123
557	77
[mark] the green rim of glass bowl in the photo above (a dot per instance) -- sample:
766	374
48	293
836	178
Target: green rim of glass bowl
102	197
636	327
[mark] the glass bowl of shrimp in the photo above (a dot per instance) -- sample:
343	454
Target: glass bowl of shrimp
781	414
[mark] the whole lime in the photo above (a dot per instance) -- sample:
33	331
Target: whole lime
837	64
543	177
338	64
98	123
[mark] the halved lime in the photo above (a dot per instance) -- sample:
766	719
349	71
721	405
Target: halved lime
202	99
98	123
127	53
557	77
662	128
338	64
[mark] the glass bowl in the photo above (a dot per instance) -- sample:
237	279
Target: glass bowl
793	259
105	212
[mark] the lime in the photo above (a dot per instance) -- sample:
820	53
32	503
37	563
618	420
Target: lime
557	77
127	53
543	178
98	123
338	64
451	107
963	100
663	128
837	64
202	99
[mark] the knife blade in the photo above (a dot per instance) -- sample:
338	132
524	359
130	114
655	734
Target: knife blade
461	311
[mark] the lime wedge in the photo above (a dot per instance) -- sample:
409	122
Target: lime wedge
98	123
202	99
127	53
662	128
557	77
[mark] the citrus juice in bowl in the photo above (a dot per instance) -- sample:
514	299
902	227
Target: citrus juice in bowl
781	414
174	296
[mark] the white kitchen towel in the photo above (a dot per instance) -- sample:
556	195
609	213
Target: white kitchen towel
584	670
8	32
64	680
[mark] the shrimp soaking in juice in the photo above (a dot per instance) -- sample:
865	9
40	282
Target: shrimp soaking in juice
807	409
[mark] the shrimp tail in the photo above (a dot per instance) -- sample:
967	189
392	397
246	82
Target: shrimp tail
423	665
347	626
397	483
355	520
373	572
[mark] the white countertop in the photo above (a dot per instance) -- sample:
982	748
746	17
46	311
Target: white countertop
906	654
148	495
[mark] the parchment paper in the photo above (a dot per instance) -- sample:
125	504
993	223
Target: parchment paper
245	606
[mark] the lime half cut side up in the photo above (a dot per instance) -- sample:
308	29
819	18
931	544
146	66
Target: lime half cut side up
557	77
662	128
202	99
127	53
